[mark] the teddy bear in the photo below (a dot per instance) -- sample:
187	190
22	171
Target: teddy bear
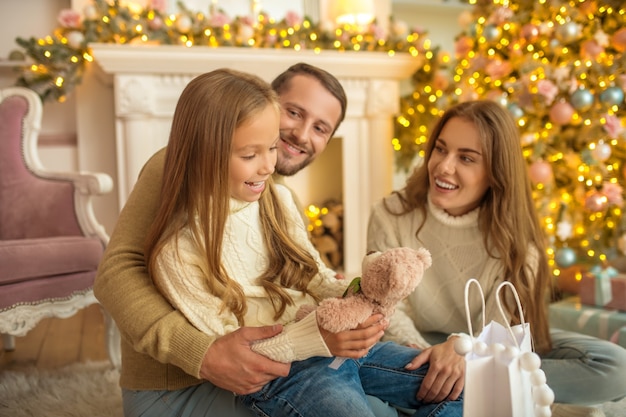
386	279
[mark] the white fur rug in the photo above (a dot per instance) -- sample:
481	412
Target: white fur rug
78	390
90	390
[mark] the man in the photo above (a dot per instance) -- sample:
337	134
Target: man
161	350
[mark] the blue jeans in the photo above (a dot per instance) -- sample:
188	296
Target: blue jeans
583	369
314	389
207	400
204	400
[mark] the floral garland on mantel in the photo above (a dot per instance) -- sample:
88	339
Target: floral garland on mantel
57	62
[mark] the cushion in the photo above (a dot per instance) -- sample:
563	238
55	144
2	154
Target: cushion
35	291
29	259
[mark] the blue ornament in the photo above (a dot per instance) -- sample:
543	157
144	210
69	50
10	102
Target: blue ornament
565	257
473	29
612	96
582	99
515	110
492	33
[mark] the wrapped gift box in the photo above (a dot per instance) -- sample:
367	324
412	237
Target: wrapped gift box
570	314
619	337
587	291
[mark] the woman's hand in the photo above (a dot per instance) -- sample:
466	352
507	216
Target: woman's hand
446	372
356	343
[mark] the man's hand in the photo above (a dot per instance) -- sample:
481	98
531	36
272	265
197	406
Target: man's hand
229	363
446	372
356	343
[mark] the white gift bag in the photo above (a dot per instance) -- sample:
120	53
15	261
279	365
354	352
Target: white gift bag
502	375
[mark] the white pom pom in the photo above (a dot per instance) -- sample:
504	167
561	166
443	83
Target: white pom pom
518	331
543	395
463	345
530	361
543	411
90	12
481	348
184	23
510	352
538	377
75	39
497	349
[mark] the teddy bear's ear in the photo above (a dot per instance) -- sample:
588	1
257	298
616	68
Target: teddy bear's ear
424	255
368	259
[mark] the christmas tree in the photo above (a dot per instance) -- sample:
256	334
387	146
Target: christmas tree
559	67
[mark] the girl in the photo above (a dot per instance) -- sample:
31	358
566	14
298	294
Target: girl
470	205
229	249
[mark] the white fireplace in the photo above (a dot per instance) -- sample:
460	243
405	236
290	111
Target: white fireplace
148	80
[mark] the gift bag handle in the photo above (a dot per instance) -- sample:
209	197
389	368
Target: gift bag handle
468	315
519	308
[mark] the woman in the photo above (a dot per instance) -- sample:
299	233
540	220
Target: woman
470	205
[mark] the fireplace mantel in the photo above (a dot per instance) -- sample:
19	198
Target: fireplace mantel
148	80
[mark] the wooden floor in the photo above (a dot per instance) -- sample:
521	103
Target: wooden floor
54	343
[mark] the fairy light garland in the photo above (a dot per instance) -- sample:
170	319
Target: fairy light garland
57	62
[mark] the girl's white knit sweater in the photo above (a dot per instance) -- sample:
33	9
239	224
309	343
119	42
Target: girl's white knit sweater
180	276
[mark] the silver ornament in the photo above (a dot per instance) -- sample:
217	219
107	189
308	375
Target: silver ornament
568	32
515	110
612	96
492	33
565	257
582	99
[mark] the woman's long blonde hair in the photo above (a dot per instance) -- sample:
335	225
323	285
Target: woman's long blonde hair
195	191
507	219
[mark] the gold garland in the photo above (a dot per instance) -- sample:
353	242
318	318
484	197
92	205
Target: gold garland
57	62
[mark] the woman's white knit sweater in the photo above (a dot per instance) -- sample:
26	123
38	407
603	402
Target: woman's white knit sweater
458	254
180	277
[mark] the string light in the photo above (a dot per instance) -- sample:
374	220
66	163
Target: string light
531	57
56	57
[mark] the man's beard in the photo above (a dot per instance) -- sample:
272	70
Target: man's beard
287	169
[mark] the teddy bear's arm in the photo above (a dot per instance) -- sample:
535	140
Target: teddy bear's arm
340	314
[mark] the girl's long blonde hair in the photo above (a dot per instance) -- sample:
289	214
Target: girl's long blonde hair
195	192
508	221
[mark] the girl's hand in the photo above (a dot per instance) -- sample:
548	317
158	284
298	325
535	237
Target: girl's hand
357	342
446	372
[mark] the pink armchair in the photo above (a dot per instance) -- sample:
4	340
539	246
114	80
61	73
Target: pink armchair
50	241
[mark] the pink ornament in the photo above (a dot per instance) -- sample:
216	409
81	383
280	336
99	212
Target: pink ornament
548	90
156	23
618	40
498	68
590	49
530	32
601	152
561	113
463	46
69	18
614	193
540	172
613	126
160	5
596	202
293	19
